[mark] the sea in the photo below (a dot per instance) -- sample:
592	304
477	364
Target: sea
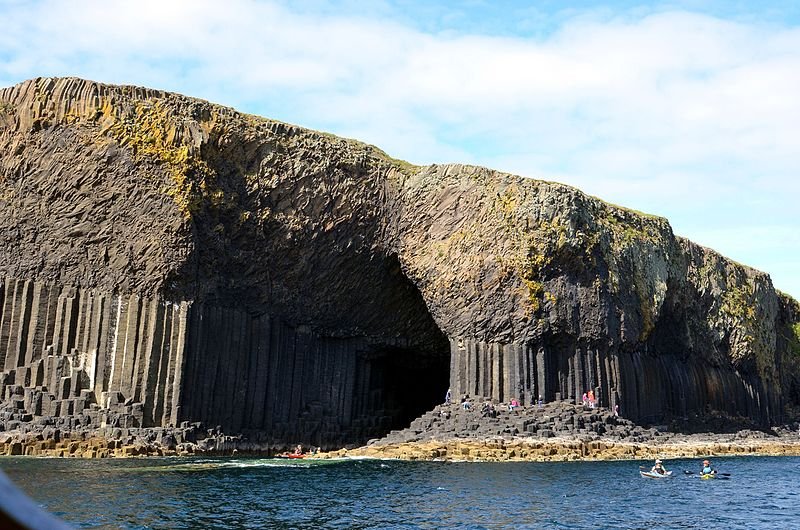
232	493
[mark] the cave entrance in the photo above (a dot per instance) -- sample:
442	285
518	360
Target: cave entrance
410	373
410	382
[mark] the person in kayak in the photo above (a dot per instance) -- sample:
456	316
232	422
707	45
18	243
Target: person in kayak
707	469
658	468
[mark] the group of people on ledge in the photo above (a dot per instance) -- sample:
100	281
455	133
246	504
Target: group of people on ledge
488	406
589	399
298	451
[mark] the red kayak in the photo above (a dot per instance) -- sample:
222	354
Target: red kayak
290	455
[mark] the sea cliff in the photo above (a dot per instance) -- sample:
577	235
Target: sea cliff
167	261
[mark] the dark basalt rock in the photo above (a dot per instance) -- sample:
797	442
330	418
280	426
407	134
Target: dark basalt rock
165	260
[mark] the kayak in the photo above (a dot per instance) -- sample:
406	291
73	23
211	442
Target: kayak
646	473
290	455
709	476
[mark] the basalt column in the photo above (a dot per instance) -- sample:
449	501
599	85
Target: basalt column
647	388
527	371
656	388
68	351
253	372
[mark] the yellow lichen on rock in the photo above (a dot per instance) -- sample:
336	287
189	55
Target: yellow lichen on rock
148	131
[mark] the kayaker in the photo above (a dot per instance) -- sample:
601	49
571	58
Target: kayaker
707	469
298	450
658	468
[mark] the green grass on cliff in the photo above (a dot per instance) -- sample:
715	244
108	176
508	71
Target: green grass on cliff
794	340
405	167
628	210
736	302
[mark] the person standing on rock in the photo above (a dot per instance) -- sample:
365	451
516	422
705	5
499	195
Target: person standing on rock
591	399
585	399
616	410
448	397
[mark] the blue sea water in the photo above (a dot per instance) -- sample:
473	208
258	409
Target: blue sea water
255	493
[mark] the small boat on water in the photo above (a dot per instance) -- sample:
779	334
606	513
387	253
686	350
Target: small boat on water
709	476
647	473
291	455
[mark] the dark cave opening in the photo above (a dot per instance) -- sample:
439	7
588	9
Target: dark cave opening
411	382
411	375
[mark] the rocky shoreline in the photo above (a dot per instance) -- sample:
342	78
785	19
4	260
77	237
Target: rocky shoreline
564	432
564	449
116	442
552	432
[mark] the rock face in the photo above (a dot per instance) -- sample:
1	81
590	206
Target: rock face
165	260
543	290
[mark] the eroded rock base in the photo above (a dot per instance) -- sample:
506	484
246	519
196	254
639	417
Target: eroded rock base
559	432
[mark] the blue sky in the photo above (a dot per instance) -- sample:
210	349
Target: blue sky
685	109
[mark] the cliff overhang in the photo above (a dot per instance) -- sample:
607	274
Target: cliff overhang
169	260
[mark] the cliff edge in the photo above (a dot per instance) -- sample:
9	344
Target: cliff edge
166	260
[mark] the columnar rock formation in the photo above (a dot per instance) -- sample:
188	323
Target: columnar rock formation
166	260
67	350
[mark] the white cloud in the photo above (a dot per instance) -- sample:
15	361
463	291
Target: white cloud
668	111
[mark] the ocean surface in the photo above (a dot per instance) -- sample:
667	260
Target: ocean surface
256	493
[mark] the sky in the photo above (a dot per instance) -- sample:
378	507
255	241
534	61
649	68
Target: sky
684	109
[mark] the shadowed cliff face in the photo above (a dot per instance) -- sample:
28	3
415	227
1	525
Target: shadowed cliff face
172	260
